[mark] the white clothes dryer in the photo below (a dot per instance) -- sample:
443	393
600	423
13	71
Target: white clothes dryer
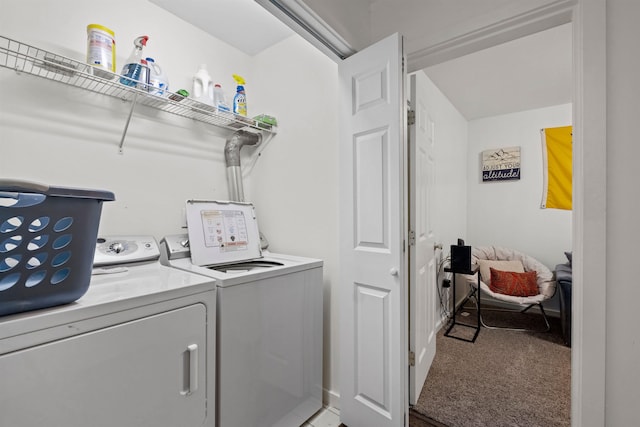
136	348
268	322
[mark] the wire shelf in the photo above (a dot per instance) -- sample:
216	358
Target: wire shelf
31	60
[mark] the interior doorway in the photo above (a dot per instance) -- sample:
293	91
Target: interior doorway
589	267
562	220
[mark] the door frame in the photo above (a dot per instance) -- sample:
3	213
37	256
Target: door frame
589	178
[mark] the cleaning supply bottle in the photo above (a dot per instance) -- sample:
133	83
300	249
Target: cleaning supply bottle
240	98
203	86
136	70
101	50
144	76
219	100
158	82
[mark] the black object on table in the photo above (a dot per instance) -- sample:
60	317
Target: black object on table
476	291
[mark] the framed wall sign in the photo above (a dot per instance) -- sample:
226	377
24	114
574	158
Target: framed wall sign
501	164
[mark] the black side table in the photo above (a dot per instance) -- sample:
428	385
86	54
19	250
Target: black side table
454	322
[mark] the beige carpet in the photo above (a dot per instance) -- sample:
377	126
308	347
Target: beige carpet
505	378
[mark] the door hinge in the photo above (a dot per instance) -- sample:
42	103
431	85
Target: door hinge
412	238
412	358
411	117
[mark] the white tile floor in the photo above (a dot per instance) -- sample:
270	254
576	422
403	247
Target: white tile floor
327	417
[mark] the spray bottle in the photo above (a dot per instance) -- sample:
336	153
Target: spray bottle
240	99
136	71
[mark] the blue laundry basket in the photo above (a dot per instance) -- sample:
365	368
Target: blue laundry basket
47	243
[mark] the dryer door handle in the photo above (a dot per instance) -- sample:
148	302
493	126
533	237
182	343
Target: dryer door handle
191	374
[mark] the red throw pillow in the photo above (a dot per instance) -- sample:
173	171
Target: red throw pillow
515	284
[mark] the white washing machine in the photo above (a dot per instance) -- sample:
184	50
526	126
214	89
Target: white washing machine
135	350
269	317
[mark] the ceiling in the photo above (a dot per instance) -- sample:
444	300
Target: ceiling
529	72
243	24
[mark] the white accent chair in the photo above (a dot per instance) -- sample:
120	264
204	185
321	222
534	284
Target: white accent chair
545	280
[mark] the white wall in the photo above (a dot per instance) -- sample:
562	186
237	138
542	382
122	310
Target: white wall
507	213
295	183
64	136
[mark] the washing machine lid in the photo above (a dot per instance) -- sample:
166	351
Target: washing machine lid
222	232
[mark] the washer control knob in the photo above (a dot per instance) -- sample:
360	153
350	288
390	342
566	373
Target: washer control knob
117	247
184	243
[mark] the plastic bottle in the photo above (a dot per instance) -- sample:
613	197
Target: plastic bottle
143	76
219	100
240	98
158	82
203	86
136	71
101	50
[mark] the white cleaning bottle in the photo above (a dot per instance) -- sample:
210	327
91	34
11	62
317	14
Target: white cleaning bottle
203	86
219	99
158	81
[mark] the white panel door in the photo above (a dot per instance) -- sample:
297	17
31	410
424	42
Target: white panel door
373	323
422	260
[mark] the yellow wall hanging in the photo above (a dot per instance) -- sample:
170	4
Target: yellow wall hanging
557	147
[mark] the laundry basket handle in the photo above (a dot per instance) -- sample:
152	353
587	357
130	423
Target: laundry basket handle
19	185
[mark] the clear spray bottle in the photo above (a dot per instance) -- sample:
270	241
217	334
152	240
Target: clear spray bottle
136	70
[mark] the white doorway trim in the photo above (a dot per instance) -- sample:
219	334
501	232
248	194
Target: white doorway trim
589	179
541	18
589	214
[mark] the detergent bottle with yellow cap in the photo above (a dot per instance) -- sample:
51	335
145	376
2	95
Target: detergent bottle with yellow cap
240	98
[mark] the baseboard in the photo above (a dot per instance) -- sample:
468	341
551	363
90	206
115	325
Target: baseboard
330	399
441	322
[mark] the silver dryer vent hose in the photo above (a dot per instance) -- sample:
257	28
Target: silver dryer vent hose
232	160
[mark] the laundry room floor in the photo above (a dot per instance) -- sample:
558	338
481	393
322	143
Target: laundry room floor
327	417
330	417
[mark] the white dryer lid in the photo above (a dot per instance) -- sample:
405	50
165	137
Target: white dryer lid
222	232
